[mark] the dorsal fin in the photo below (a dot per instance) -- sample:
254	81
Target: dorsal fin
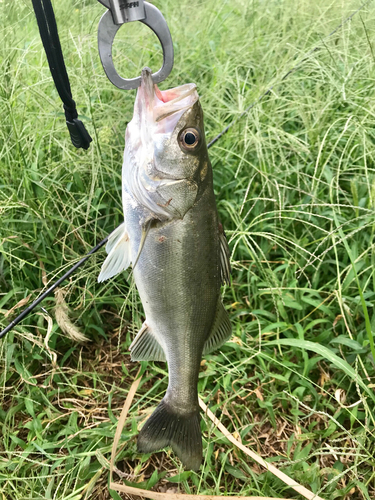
224	256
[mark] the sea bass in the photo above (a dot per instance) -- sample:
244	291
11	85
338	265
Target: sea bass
172	236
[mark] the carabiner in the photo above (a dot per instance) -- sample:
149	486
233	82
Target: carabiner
120	12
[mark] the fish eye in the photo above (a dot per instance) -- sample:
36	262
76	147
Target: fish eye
189	138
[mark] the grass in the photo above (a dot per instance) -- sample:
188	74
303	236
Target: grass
295	186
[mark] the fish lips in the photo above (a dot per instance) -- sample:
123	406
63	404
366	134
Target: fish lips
161	109
145	93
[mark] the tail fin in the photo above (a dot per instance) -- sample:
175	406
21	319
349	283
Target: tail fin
165	427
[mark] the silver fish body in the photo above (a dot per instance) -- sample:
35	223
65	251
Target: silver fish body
180	257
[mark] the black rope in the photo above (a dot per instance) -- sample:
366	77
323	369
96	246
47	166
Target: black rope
211	143
48	32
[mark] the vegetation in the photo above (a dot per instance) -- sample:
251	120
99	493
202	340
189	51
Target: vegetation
295	185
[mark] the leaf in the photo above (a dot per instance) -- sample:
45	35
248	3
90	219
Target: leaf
29	406
327	354
19	304
73	496
292	304
316	322
153	480
274	326
236	472
352	344
180	477
318	304
114	494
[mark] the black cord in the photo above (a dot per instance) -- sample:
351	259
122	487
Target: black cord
50	37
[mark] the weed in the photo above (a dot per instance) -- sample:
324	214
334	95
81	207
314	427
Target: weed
295	184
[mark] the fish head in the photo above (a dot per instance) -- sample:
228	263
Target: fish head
166	153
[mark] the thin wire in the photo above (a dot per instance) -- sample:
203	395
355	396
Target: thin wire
292	70
27	311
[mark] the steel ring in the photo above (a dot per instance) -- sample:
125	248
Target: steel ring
106	34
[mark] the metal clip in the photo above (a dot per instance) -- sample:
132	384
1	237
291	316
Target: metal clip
123	11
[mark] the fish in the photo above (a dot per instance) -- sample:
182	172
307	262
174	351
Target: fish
172	237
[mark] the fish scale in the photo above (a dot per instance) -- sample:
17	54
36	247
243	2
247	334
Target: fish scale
172	236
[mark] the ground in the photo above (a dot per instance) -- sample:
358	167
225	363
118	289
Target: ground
295	185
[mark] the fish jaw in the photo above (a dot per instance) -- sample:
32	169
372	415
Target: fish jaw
158	111
154	163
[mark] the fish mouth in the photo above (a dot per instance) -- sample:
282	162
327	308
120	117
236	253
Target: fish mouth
163	107
153	178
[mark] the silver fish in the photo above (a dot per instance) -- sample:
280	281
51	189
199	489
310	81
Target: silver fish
172	236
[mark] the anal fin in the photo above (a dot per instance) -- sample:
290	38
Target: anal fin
145	346
221	329
118	249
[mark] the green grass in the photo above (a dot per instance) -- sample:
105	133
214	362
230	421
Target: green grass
295	186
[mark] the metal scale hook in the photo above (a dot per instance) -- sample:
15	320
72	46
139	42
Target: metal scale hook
123	11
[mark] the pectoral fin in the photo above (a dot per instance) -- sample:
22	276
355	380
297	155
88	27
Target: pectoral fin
221	329
145	346
118	249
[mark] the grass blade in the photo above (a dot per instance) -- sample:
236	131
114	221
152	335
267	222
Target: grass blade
340	363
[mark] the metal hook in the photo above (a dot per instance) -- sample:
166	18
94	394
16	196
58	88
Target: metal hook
120	12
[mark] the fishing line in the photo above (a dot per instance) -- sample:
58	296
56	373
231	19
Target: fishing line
48	292
27	311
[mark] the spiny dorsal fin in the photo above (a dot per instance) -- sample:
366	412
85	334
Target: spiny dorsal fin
145	346
221	329
224	256
118	249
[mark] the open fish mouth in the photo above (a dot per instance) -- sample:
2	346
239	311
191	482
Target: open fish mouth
157	169
161	109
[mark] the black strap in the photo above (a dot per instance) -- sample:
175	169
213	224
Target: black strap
48	32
